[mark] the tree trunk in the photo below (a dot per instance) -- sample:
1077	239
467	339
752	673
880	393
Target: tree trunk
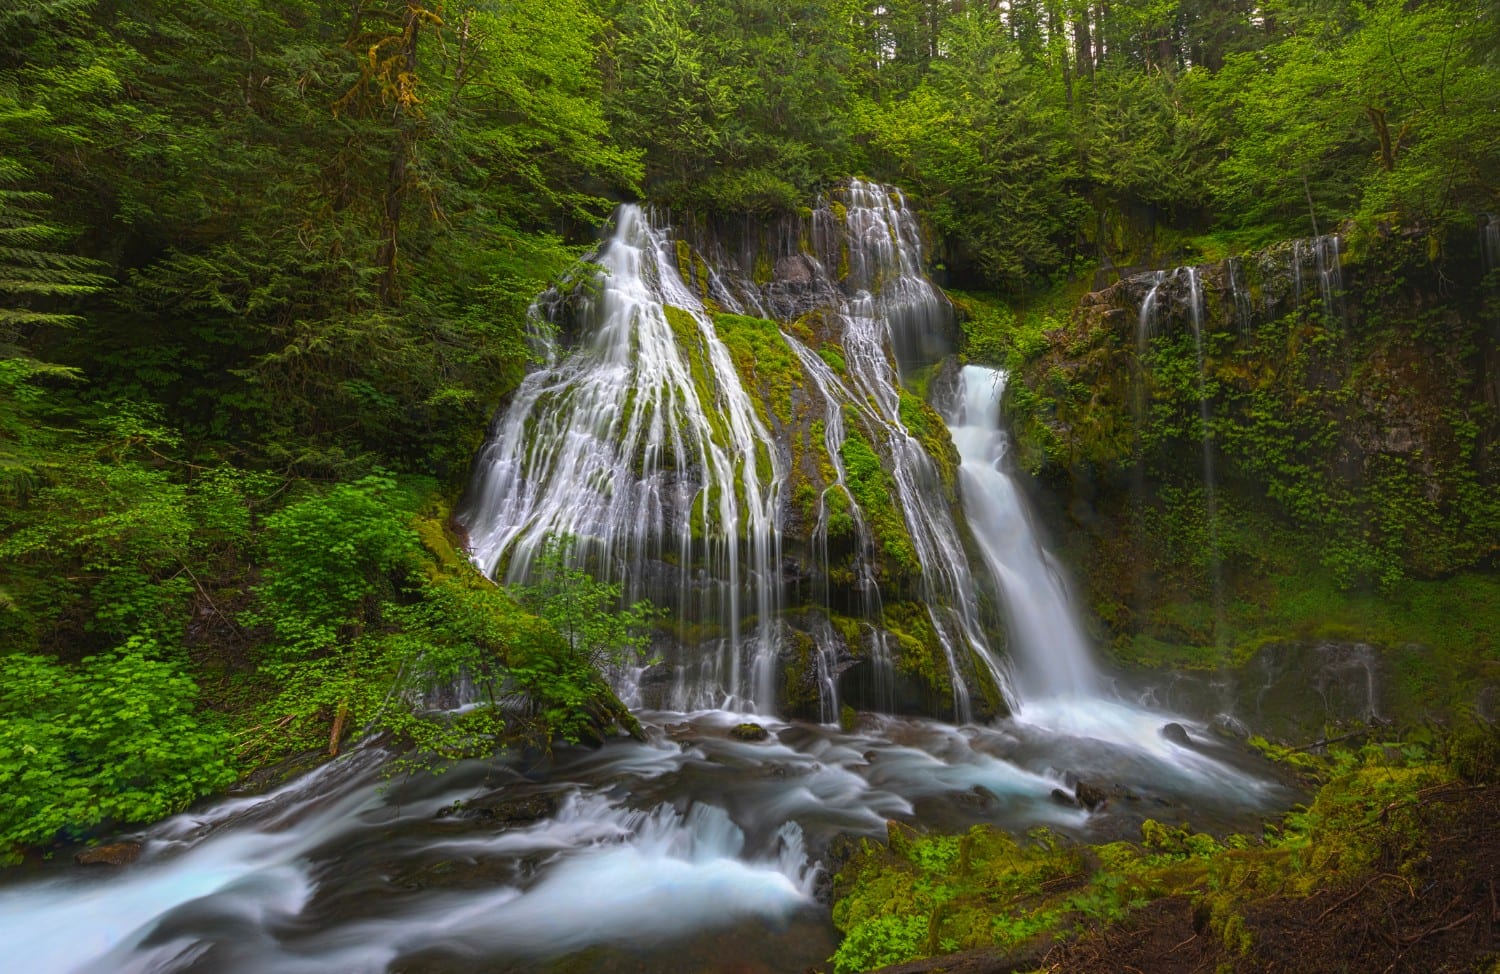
387	255
1084	41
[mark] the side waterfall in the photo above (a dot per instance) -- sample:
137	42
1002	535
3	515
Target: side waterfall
645	446
1051	653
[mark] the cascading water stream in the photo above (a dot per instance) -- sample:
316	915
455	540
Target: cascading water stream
1330	274
645	446
1210	485
1244	306
1146	322
673	852
1050	653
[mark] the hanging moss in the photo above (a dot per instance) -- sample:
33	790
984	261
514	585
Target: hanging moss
874	491
690	342
921	652
924	423
801	693
768	367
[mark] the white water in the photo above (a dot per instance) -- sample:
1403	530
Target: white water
645	444
628	440
658	849
1050	653
690	847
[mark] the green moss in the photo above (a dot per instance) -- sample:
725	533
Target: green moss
923	422
921	895
801	694
850	629
691	343
763	270
874	491
768	366
920	651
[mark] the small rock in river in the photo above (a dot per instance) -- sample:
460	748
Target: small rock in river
749	732
1176	734
1090	796
114	854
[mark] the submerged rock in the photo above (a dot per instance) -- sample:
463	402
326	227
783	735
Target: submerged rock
503	811
113	854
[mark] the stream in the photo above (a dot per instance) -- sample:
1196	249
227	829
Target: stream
691	851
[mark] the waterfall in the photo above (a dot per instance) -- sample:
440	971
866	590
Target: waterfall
1050	651
1330	274
1244	306
644	445
1210	487
1146	322
649	443
1489	241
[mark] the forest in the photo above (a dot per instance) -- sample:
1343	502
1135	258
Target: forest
268	269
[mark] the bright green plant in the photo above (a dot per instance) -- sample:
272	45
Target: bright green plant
115	739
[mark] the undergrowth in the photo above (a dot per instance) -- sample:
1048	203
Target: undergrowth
919	895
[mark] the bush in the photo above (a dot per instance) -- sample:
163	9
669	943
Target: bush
114	739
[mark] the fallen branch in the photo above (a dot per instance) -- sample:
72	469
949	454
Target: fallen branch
1352	896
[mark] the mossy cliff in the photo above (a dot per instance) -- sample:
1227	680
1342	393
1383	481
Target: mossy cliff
852	579
1330	470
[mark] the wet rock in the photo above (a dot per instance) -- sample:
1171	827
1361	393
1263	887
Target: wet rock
1090	796
749	732
1229	728
1063	798
798	269
114	854
1175	733
978	797
659	674
503	811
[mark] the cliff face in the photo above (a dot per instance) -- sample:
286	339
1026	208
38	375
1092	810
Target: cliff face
1314	409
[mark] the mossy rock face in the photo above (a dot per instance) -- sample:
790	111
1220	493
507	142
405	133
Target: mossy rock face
874	491
1345	435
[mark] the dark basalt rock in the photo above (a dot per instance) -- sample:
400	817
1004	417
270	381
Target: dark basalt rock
1090	796
503	811
1063	798
1175	733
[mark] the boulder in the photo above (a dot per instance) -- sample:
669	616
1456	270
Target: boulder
1090	796
504	811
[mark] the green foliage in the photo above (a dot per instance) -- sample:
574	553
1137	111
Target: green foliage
595	627
112	740
331	556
